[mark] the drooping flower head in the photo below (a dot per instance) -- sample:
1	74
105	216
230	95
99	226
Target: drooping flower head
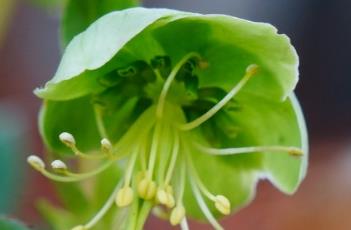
194	109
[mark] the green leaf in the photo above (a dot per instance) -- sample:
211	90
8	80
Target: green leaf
79	14
11	224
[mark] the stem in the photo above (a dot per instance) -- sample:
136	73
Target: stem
170	78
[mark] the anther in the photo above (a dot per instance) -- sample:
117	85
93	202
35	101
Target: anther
36	162
222	204
177	215
147	188
124	196
106	146
67	139
296	152
252	69
165	197
59	166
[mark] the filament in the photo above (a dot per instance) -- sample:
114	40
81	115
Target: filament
251	70
153	150
170	78
173	161
104	208
99	122
251	149
72	177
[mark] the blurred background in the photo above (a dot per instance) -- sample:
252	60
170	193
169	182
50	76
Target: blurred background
321	33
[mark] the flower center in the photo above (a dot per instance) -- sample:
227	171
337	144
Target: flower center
157	149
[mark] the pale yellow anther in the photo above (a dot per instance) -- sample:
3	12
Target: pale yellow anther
295	152
177	215
79	227
36	162
58	166
124	197
147	189
106	145
67	139
252	70
222	204
165	197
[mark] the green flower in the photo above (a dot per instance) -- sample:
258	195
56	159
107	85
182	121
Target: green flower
195	109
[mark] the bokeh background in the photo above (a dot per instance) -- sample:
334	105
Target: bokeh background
321	33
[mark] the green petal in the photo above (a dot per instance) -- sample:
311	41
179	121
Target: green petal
274	123
74	116
230	45
95	47
79	14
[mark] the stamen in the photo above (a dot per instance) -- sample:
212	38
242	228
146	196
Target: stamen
70	142
173	159
126	194
99	121
59	166
250	71
203	206
184	224
147	188
72	177
222	204
106	146
36	162
153	150
104	208
170	78
293	151
177	215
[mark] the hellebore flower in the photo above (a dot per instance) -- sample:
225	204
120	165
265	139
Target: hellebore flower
195	109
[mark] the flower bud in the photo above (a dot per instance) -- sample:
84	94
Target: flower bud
124	197
67	139
36	162
147	189
177	215
222	204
